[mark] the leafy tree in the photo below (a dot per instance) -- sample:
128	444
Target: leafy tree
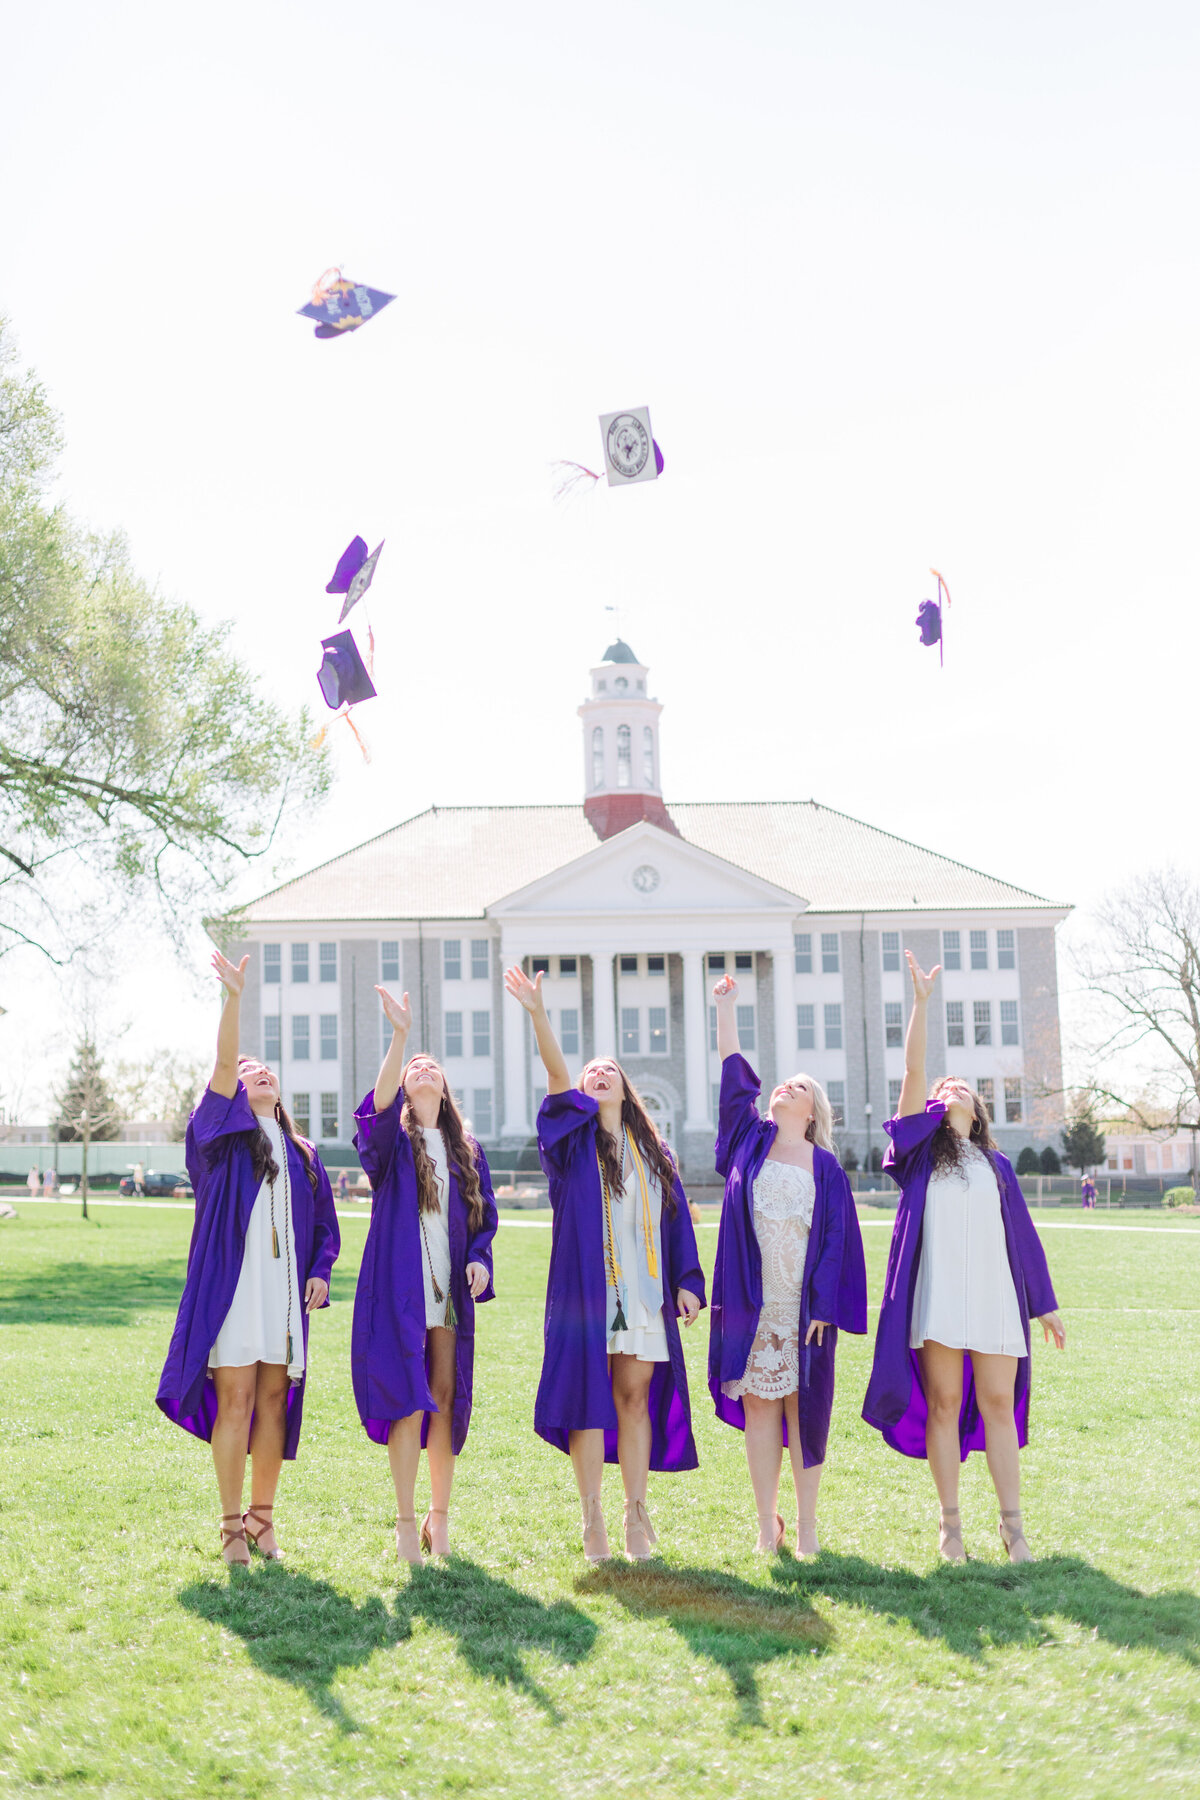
87	1091
1029	1162
138	760
1083	1143
1049	1161
164	1086
849	1159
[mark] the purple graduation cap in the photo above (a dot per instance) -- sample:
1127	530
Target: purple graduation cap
929	617
340	306
343	677
354	573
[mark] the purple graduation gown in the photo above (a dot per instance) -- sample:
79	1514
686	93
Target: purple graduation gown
835	1277
387	1344
575	1391
220	1170
895	1402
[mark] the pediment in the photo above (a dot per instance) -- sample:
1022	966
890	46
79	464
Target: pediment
650	869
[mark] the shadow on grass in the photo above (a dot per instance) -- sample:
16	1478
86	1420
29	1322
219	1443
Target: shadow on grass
85	1293
974	1608
733	1623
494	1622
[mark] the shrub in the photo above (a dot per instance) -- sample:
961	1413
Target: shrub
1180	1196
1049	1161
1029	1162
849	1159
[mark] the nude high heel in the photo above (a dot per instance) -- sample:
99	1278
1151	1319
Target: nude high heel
595	1532
412	1556
231	1537
426	1529
640	1535
777	1530
950	1537
1012	1536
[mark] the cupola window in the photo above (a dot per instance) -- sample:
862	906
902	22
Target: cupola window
597	757
624	756
648	756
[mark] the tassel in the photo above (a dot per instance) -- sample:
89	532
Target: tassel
289	1354
274	1243
451	1315
619	1323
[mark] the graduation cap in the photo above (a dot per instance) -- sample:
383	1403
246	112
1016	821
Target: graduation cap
343	677
354	573
630	454
339	305
929	617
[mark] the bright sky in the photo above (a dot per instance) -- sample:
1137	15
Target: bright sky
901	285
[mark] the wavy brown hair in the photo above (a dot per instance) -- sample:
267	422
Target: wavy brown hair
948	1146
462	1152
640	1127
261	1159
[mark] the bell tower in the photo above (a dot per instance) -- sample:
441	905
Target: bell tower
622	779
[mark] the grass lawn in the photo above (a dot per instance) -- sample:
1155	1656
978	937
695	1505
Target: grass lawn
131	1663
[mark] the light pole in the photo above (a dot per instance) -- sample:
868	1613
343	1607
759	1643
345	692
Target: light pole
867	1111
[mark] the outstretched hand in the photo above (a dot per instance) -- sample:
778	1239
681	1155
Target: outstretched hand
398	1013
232	976
922	982
1053	1327
529	993
726	989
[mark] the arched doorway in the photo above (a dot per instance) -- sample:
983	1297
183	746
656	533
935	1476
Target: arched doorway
661	1112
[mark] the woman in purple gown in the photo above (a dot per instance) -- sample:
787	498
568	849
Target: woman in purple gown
965	1275
265	1235
623	1270
427	1261
789	1274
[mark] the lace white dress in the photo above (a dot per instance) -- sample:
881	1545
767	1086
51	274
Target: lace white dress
965	1297
255	1328
784	1198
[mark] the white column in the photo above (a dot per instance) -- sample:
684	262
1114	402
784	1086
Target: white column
787	1057
604	1009
695	1041
516	1028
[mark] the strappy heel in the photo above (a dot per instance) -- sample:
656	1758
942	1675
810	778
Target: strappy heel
231	1537
950	1537
1013	1537
426	1531
265	1524
414	1557
779	1533
595	1532
637	1525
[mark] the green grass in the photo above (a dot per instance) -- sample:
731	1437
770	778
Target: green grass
131	1663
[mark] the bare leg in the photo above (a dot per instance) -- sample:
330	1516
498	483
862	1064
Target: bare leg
942	1379
806	1482
587	1460
439	1438
764	1454
266	1448
230	1439
404	1453
995	1385
631	1388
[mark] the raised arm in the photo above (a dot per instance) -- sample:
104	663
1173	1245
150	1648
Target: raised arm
725	994
529	993
232	977
399	1016
914	1087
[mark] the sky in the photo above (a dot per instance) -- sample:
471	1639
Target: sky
902	287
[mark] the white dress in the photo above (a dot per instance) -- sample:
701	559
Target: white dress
437	1231
256	1326
646	1337
965	1297
784	1197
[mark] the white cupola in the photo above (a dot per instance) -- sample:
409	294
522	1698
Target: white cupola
621	771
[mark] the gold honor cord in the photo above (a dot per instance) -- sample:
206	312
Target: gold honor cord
647	1221
610	1245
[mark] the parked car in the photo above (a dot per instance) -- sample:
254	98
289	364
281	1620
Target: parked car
157	1182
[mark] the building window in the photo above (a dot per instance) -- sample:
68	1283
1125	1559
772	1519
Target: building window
893	1023
951	950
954	1024
837	1102
481	1112
631	1037
648	756
301	1114
986	1089
481	1034
624	756
712	1027
540	965
480	959
893	1097
272	961
743	962
656	965
300	962
833	1027
891	950
299	1037
1012	1099
389	959
452	1033
979	950
745	1027
806	1028
716	962
629	965
328	1037
983	1021
327	957
271	1038
451	959
568	965
1008	1022
657	1023
1006	950
597	755
829	953
569	1034
329	1117
802	941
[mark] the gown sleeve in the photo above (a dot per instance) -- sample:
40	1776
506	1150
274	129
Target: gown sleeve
910	1136
560	1117
740	1088
684	1255
375	1137
218	1118
327	1235
479	1249
1039	1289
839	1283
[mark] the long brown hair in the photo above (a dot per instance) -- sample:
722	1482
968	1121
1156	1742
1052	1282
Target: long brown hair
641	1128
462	1152
261	1159
948	1145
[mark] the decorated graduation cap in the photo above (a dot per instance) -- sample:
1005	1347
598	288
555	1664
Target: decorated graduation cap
354	573
340	306
630	454
929	618
343	677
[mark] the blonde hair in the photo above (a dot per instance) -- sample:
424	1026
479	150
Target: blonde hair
820	1126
